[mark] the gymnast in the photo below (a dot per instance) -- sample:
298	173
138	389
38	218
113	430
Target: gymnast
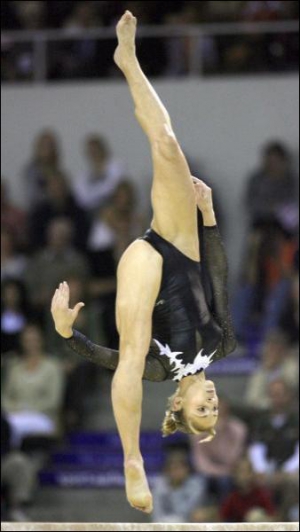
173	321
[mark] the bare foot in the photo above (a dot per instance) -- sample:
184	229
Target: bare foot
137	489
126	30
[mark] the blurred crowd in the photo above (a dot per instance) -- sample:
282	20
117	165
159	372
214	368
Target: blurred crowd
86	14
80	57
75	229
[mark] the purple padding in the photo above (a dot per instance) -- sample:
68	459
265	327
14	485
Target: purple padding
85	479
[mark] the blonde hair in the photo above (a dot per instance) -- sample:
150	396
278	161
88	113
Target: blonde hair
176	421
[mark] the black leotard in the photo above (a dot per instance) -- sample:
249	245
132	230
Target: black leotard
191	325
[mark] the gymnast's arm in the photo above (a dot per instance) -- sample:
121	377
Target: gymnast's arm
64	319
109	358
215	259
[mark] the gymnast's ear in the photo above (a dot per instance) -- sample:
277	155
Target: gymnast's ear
177	403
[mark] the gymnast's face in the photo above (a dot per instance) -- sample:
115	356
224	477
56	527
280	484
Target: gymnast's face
200	404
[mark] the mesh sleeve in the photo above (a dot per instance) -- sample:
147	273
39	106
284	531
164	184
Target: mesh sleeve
109	358
217	270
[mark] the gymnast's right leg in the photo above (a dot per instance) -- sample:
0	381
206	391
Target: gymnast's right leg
173	198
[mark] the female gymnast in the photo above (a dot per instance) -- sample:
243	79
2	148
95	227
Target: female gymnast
172	324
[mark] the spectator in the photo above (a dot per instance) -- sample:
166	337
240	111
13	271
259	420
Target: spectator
31	14
33	388
98	184
115	227
13	263
224	12
119	223
289	317
80	58
13	219
14	314
84	16
217	460
246	497
177	492
18	477
277	363
59	201
273	185
55	263
45	162
265	10
274	452
266	280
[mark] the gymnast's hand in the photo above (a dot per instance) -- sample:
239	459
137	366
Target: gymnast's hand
64	316
203	195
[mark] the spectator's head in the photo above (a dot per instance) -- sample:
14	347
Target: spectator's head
257	515
32	14
46	148
177	467
13	295
275	349
32	340
85	14
60	233
281	396
276	159
124	198
243	475
193	409
57	189
7	244
97	151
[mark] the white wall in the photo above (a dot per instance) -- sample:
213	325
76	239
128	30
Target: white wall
222	124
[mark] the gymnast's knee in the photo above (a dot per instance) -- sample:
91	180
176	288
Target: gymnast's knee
166	144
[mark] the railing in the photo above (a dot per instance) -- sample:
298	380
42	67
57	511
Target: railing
41	39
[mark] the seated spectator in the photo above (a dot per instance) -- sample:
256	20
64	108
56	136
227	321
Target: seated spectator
45	161
274	451
178	492
84	16
246	497
18	478
115	227
15	311
224	12
119	223
54	264
277	363
289	316
273	184
266	279
217	460
59	201
31	14
100	180
33	388
265	11
13	219
82	377
13	263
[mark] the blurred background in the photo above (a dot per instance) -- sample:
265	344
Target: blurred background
76	176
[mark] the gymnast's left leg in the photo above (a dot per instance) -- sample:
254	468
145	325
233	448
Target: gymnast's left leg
139	279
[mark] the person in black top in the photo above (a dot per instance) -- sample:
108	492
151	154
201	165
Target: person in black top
172	311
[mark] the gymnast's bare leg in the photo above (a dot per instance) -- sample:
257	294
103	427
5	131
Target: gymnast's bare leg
140	269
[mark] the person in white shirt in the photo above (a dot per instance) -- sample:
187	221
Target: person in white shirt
98	183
